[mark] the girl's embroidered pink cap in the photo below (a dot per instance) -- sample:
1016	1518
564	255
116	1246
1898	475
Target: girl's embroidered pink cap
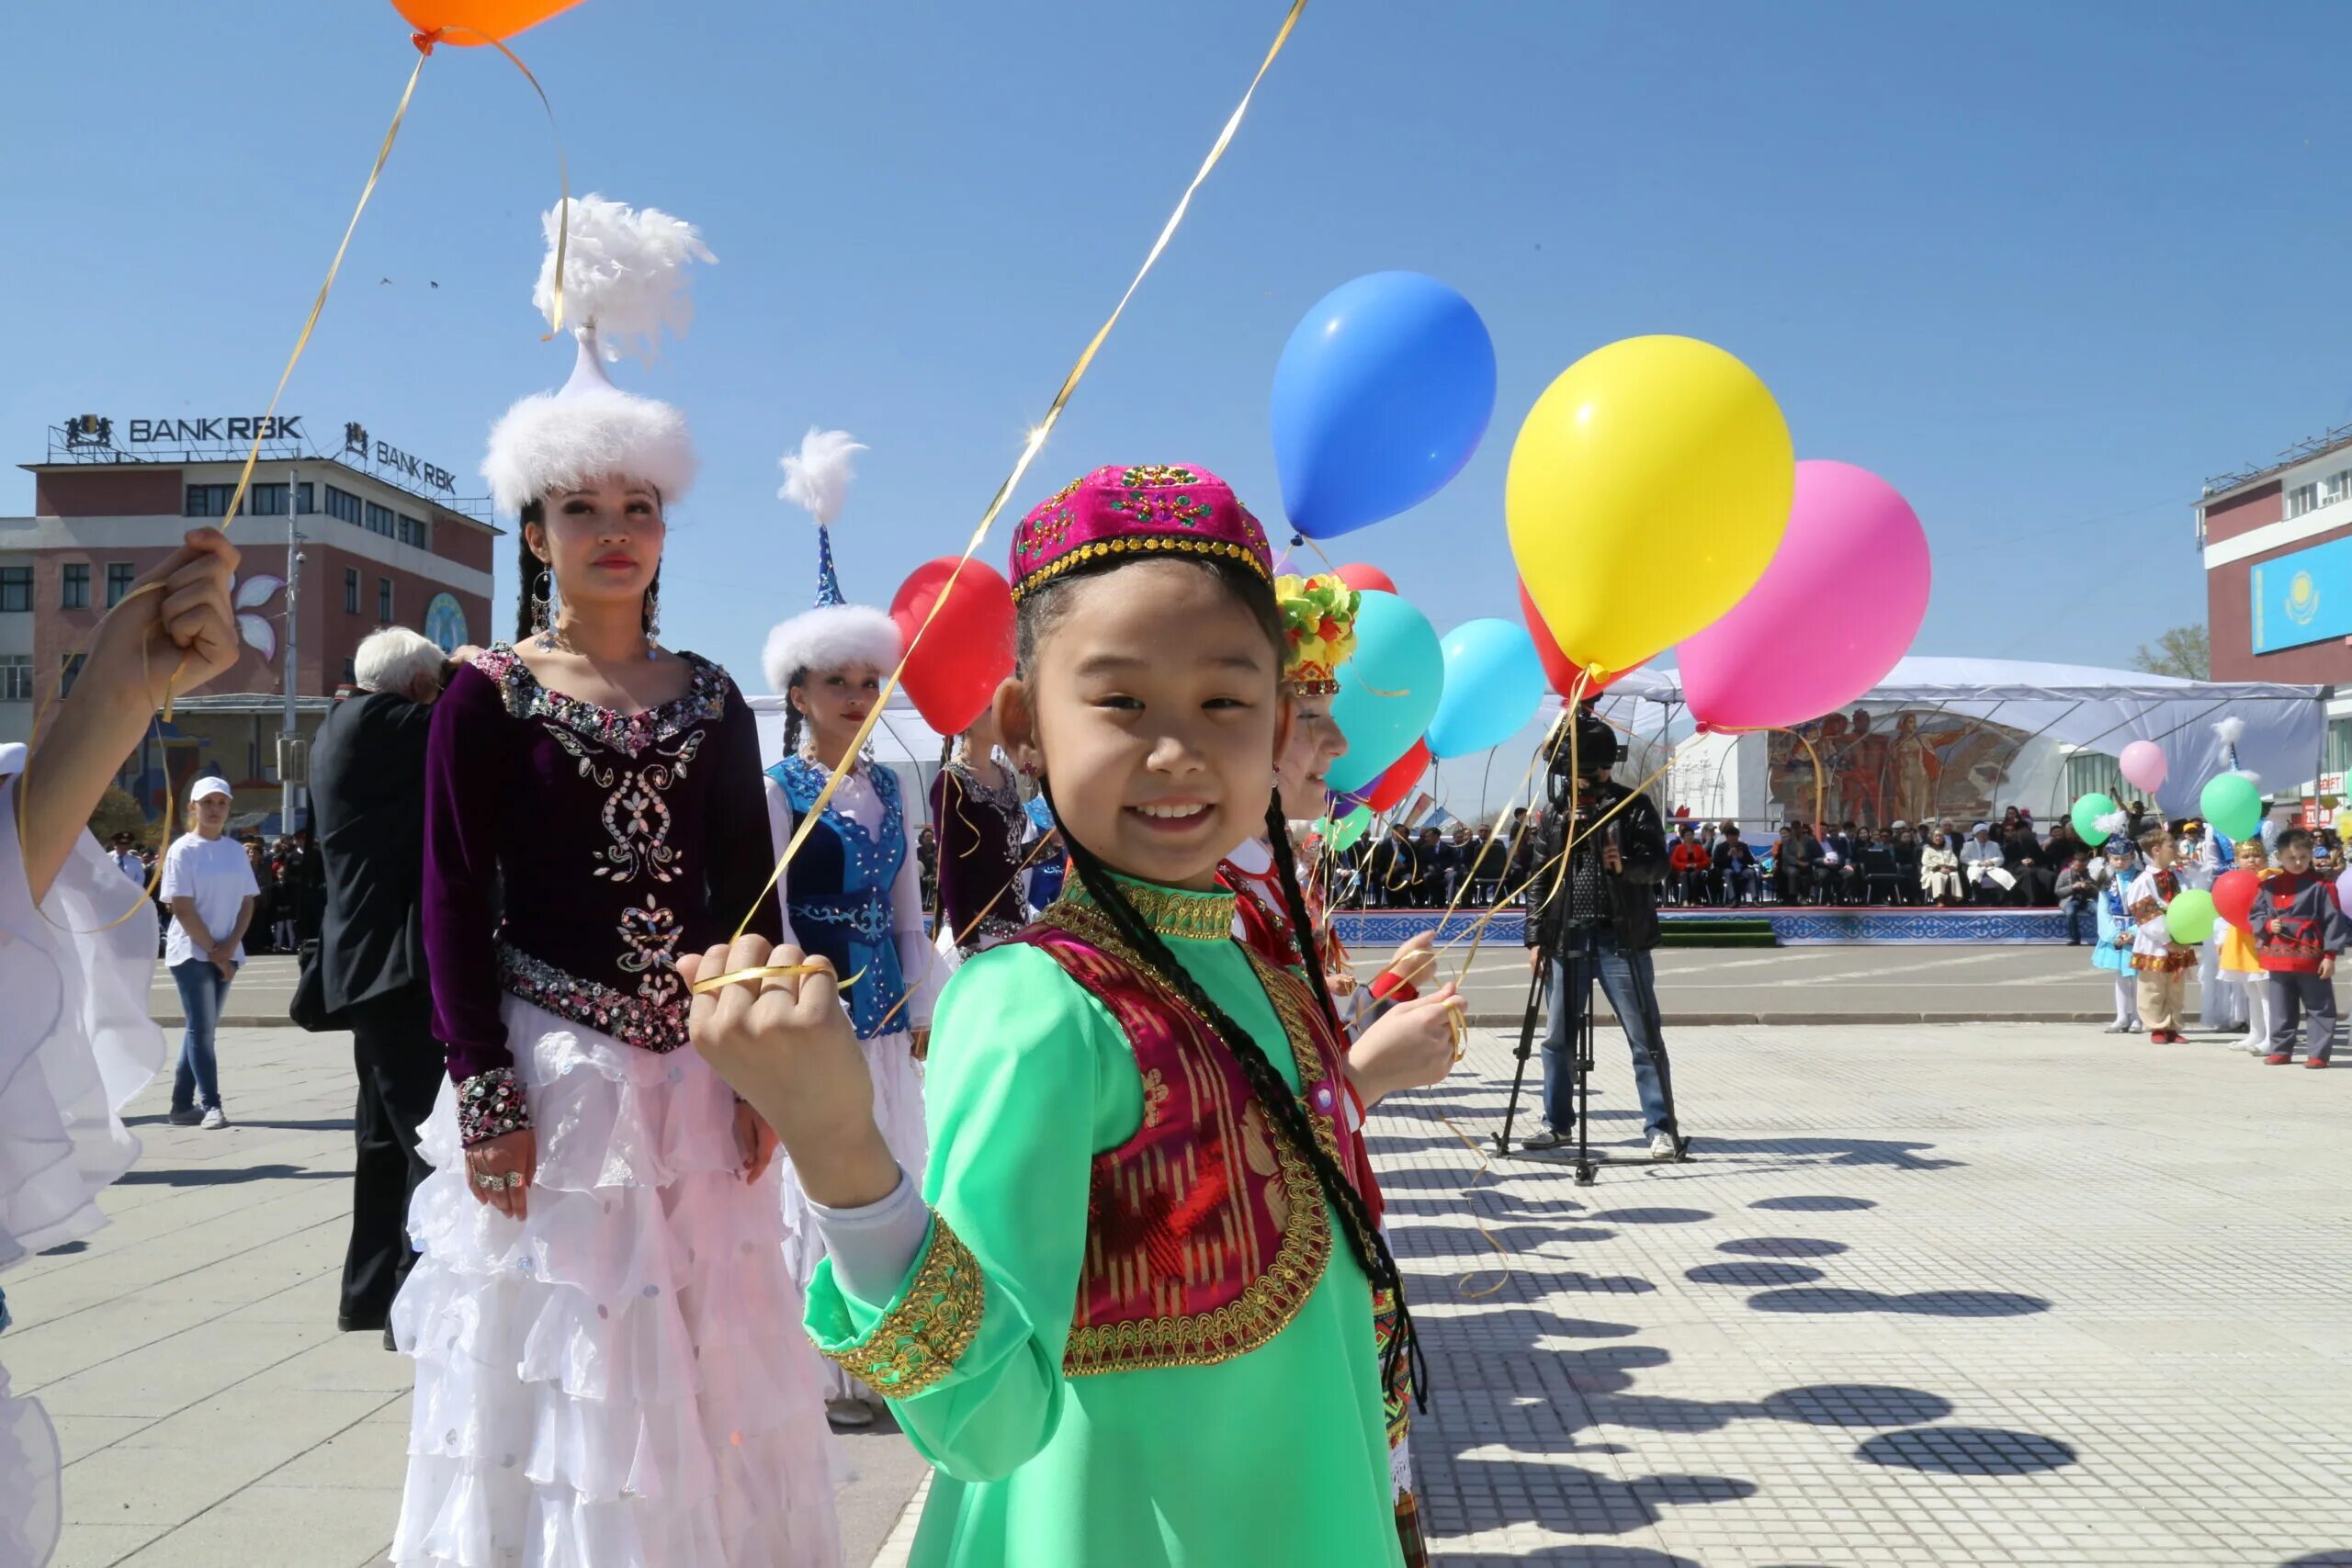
1160	509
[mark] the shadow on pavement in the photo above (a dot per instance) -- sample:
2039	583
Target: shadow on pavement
1820	1206
1784	1246
196	1175
1966	1451
1918	1304
1752	1276
1654	1217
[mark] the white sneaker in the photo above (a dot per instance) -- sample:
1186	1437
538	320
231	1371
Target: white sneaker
213	1121
1663	1146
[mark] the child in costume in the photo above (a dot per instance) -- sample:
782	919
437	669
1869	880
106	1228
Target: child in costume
2241	965
77	953
1276	915
2299	930
982	828
601	1250
853	892
2113	953
2159	965
1127	1315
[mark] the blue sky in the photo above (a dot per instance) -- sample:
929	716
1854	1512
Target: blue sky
2043	265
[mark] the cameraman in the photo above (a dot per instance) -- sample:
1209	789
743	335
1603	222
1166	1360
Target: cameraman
1606	905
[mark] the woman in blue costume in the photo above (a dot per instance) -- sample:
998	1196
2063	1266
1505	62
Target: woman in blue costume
853	892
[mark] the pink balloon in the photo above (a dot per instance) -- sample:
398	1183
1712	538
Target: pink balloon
2144	766
1840	602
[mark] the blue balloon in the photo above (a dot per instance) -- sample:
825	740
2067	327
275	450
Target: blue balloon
1380	397
1494	683
1387	691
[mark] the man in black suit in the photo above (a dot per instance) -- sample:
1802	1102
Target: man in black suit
367	789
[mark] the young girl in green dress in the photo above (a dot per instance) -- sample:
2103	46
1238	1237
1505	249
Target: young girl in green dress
1129	1313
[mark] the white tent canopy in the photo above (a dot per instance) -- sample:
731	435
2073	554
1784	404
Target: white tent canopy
2080	706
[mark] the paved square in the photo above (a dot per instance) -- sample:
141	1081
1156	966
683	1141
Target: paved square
1999	1295
2016	1294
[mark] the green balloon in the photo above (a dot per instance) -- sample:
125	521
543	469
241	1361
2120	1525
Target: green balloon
2232	805
1340	836
2087	813
2188	919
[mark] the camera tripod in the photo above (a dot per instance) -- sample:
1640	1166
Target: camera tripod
1575	953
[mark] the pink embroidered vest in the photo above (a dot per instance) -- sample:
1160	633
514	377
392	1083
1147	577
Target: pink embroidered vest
1206	1231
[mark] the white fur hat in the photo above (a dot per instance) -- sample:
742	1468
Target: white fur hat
830	637
624	282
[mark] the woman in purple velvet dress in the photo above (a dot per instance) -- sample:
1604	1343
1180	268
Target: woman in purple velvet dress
599	1312
981	825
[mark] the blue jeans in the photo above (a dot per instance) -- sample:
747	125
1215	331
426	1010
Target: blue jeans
202	990
1629	983
2082	924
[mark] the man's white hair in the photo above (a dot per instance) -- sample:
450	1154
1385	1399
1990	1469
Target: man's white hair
390	659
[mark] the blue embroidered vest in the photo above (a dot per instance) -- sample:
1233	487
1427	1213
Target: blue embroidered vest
838	894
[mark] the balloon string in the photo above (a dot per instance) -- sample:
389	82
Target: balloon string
1029	451
383	154
1542	750
1818	783
907	995
424	42
1460	1286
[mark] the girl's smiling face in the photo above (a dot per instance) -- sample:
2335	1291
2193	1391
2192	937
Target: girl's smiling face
1304	767
1152	706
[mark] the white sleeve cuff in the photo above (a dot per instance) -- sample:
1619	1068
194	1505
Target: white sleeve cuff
873	1246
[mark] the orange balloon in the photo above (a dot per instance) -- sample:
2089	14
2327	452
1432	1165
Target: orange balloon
473	23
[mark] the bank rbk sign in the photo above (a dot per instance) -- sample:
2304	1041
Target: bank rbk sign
218	429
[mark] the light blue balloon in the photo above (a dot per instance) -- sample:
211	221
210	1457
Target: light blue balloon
1494	683
1381	395
1387	691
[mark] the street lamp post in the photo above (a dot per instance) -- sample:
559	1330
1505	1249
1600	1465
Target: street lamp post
289	770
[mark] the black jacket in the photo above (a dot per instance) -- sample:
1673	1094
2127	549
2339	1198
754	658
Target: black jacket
1633	894
368	802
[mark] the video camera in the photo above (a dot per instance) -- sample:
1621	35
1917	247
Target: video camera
1597	750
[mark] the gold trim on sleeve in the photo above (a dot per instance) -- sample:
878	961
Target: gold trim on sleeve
918	1341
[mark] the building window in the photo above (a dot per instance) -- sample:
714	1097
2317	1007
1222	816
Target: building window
119	576
381	520
17	678
351	590
76	592
2338	751
351	671
413	531
73	662
2302	498
384	600
16	588
210	500
305	498
265	501
341	503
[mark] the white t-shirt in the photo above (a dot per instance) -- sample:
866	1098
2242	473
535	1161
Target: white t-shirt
216	874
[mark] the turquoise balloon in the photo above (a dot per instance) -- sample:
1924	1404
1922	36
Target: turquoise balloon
2188	919
1494	683
1388	692
2085	815
2232	805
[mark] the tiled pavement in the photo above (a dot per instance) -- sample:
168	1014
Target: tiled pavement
2019	1294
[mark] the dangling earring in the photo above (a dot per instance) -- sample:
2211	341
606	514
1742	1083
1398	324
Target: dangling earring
542	612
652	619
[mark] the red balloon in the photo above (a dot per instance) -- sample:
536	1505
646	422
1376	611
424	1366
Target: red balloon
954	671
1558	667
1390	789
1366	579
2234	894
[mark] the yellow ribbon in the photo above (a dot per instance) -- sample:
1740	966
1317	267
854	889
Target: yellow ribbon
818	965
1028	454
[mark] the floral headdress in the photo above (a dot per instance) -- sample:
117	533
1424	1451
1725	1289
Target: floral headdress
1320	618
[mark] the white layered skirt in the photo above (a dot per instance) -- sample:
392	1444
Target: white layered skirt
621	1379
76	1045
898	1111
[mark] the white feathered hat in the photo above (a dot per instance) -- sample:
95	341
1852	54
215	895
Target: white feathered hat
836	632
624	282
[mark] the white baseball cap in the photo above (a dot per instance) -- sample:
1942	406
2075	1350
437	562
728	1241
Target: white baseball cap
209	785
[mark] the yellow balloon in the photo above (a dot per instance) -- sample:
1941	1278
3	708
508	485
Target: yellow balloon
1648	488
